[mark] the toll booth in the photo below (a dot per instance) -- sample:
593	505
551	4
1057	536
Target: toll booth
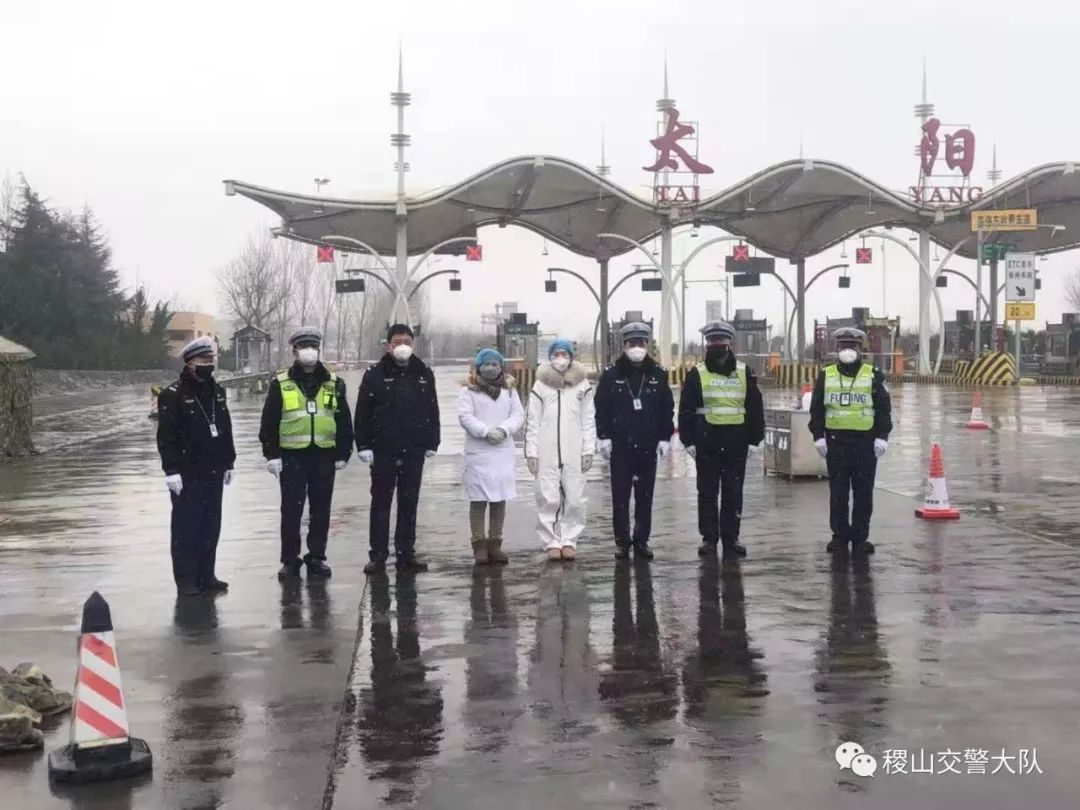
517	338
1062	350
882	338
960	336
614	348
751	340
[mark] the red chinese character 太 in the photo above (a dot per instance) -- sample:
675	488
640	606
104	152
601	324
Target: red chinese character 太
928	147
960	151
669	142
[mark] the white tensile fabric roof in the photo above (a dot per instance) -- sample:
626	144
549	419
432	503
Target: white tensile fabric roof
791	210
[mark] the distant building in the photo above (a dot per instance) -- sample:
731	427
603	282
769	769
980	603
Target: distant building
960	335
1063	345
882	337
184	327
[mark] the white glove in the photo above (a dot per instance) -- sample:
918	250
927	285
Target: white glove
367	456
175	484
692	452
340	465
429	453
496	436
662	450
880	446
273	466
586	463
822	447
603	447
534	465
228	477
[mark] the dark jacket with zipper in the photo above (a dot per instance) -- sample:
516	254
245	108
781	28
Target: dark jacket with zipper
397	408
616	418
185	441
879	396
694	430
309	382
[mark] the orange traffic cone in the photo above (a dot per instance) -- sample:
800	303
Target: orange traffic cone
977	422
100	746
936	501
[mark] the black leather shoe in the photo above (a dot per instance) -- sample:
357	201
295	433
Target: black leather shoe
289	570
837	545
188	590
622	551
375	567
317	569
410	565
862	547
734	550
707	549
642	551
216	586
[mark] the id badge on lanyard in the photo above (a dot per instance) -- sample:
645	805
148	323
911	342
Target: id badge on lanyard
637	403
845	399
213	431
312	408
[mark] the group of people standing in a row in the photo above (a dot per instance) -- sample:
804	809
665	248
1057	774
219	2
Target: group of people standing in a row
308	434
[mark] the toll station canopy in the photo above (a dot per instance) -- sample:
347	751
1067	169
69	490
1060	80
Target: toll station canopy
791	210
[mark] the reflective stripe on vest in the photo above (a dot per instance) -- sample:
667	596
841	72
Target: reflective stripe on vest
849	406
724	396
300	428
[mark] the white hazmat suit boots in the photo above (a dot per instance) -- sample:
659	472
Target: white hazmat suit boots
560	435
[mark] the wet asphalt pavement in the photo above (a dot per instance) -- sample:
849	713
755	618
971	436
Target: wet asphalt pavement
593	684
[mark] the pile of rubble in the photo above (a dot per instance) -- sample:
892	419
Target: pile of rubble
26	697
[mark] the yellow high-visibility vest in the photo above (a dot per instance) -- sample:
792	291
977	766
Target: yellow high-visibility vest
849	406
724	396
304	421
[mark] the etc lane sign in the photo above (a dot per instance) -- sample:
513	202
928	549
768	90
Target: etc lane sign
1020	277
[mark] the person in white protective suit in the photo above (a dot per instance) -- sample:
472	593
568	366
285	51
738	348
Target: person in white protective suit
560	441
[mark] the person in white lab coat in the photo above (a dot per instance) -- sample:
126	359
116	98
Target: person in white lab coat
560	441
490	412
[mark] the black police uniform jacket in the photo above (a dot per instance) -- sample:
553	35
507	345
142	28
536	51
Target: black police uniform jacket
397	408
694	430
616	418
309	382
185	441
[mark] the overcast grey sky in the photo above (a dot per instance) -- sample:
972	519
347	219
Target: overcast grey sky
140	110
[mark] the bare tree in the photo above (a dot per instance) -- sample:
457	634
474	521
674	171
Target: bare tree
1072	290
250	285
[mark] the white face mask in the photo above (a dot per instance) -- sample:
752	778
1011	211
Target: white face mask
490	371
560	363
847	355
307	356
636	354
402	353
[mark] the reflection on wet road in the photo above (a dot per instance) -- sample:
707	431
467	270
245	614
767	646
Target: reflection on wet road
594	684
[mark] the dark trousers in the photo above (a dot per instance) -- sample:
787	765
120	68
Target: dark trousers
306	477
195	528
852	467
720	474
632	470
402	472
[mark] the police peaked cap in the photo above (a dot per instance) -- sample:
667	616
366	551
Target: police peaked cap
200	347
305	334
718	329
634	331
849	334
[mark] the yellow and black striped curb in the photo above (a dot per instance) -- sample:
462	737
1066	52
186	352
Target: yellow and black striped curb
793	375
993	368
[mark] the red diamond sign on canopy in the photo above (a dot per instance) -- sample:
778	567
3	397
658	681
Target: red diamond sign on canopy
864	255
474	253
325	254
741	253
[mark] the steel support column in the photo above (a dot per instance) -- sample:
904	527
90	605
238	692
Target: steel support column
924	298
605	322
800	302
666	295
993	298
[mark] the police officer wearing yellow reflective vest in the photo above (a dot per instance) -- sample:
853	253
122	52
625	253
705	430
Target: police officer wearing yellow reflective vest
720	415
851	418
307	437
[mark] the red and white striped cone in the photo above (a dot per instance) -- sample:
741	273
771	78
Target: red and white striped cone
936	500
977	422
101	747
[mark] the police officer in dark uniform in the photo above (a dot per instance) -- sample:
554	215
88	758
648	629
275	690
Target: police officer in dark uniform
634	422
195	440
851	418
397	428
307	437
720	415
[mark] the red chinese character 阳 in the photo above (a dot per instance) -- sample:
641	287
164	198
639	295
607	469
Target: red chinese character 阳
960	150
668	143
928	147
